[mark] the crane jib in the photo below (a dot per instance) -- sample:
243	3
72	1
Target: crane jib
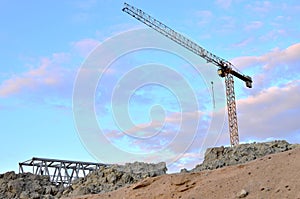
185	42
225	67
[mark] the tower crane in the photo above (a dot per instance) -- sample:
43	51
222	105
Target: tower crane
225	68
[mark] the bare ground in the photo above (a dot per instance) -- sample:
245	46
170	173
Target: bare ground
273	176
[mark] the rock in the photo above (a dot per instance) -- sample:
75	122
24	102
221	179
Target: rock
51	190
48	197
242	194
112	177
25	195
26	185
80	191
218	157
9	175
184	170
143	169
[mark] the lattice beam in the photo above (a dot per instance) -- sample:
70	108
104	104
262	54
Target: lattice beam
59	171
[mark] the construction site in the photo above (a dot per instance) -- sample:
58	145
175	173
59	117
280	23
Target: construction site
240	170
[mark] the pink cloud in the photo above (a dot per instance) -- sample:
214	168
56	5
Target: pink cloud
14	85
270	59
274	112
46	74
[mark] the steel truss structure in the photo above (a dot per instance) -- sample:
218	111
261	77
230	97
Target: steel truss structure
60	171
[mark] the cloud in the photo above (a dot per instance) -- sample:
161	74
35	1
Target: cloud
274	112
271	59
270	113
47	74
272	107
27	80
186	150
169	125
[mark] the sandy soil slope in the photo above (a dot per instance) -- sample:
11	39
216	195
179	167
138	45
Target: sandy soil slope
273	176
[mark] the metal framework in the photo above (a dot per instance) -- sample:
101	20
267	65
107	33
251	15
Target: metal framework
231	108
60	171
226	69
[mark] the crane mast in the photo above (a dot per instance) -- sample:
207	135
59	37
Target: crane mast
226	69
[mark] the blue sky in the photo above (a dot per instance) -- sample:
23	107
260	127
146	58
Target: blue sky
46	43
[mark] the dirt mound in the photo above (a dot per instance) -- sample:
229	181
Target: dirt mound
273	176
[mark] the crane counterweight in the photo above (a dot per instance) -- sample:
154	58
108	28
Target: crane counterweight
226	69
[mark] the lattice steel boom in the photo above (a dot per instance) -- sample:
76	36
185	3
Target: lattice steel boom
226	69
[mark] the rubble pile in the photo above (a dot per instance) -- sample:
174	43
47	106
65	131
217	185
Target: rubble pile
218	157
105	179
27	186
111	178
